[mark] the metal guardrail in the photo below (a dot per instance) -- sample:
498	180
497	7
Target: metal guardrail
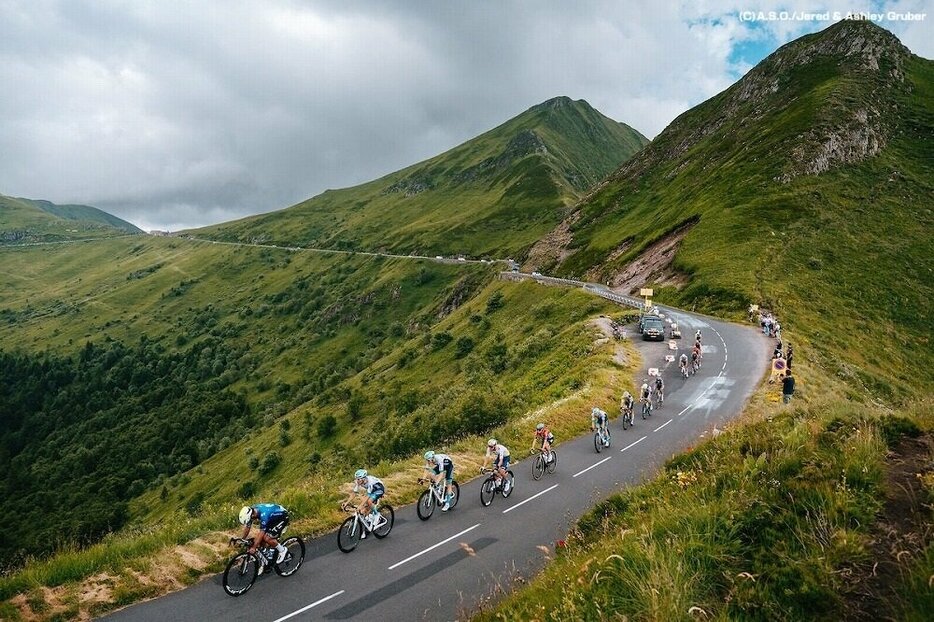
593	288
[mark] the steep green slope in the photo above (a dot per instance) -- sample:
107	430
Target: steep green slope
27	220
493	195
805	187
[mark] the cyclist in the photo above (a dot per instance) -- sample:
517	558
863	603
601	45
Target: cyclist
500	456
273	520
695	359
373	488
626	403
437	464
683	364
543	434
659	390
598	420
697	336
645	395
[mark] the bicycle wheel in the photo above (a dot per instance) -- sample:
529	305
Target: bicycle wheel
509	485
488	491
554	462
426	505
538	467
645	408
388	518
597	442
240	574
627	421
348	536
293	559
456	491
608	438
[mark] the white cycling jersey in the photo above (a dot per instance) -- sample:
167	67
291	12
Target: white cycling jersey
439	459
371	483
500	451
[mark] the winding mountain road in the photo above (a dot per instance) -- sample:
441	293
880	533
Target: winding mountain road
446	567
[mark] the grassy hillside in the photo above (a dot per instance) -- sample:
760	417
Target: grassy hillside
491	196
805	187
26	220
224	373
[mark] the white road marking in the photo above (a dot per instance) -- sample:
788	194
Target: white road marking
432	547
631	444
590	467
307	607
662	425
529	499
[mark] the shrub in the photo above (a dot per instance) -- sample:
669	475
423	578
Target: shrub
247	490
494	302
439	340
270	462
463	347
327	426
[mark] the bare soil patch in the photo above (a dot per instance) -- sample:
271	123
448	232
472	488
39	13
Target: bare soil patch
901	534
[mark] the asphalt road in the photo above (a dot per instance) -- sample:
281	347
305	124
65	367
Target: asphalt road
445	567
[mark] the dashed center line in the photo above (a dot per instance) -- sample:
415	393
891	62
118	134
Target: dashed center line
431	548
591	466
307	607
662	425
631	444
529	499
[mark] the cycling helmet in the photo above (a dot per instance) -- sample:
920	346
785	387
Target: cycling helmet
491	442
540	426
429	455
246	515
626	394
360	474
645	385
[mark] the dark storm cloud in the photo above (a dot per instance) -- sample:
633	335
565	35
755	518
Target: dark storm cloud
176	114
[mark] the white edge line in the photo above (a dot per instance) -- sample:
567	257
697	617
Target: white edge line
307	607
591	466
529	499
430	548
662	425
631	444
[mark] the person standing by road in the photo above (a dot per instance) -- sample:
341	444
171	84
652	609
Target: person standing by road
788	356
788	387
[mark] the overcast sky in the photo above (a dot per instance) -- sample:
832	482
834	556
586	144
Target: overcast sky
179	114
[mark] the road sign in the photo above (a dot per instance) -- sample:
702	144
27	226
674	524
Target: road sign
646	291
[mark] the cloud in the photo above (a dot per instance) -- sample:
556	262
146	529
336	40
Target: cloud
178	114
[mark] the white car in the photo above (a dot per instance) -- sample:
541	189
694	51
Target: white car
536	274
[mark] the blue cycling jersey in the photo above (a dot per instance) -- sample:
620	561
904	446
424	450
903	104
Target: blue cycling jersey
269	513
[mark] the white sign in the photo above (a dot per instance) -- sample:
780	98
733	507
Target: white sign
646	291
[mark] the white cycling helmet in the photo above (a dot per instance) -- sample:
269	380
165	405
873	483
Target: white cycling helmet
246	515
360	474
645	385
626	394
594	410
491	442
540	426
429	455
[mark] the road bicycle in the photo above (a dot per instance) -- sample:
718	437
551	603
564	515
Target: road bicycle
434	496
684	371
601	438
544	461
627	418
646	408
493	484
242	570
659	398
356	526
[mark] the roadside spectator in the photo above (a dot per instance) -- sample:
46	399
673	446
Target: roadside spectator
788	356
777	354
788	387
778	330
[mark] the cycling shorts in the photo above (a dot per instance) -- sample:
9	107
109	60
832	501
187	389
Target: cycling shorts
505	463
448	471
377	492
277	525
